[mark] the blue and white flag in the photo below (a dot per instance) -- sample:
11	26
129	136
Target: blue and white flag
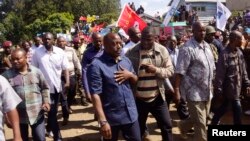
171	10
223	13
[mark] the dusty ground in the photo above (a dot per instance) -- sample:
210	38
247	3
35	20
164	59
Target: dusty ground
82	127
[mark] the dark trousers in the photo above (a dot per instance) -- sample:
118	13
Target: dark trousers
37	129
64	103
72	90
130	132
52	123
220	111
182	109
158	108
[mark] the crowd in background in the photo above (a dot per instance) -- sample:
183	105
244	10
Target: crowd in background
202	70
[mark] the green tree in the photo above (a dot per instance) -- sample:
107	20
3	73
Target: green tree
55	23
24	18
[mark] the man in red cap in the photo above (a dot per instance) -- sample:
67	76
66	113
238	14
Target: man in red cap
5	62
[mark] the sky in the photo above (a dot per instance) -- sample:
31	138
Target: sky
150	6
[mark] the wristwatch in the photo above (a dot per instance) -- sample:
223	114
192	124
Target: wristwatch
103	122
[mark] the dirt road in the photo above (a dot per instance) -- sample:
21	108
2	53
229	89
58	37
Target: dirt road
82	126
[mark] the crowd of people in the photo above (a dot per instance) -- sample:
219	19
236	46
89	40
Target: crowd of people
202	72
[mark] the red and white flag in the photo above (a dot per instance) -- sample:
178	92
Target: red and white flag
128	18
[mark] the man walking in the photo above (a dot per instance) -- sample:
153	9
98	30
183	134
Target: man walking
110	78
29	83
74	64
53	62
194	74
8	102
153	65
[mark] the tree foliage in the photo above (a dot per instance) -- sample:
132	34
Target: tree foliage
20	19
55	23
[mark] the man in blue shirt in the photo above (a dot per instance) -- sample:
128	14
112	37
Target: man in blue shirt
93	51
110	78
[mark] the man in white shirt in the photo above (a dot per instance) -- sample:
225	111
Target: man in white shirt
74	63
53	62
135	36
8	102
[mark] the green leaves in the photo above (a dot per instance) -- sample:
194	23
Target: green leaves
26	18
55	23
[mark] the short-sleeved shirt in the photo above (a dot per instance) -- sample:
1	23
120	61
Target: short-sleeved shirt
117	99
89	55
196	64
74	62
8	101
33	89
51	64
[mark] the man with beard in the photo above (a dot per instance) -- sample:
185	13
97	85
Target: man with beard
110	78
153	65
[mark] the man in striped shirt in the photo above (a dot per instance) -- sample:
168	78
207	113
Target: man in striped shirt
152	64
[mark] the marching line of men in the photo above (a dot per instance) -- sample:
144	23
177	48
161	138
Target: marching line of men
124	84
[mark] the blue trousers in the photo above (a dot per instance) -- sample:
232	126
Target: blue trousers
37	129
130	132
220	111
52	123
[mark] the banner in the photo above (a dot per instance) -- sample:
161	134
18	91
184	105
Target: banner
171	11
223	13
128	18
91	18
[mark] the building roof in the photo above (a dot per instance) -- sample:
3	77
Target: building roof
148	18
223	1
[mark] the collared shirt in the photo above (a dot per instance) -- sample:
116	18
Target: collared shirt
51	64
173	55
117	99
81	50
164	66
8	101
29	55
73	61
231	75
34	47
196	65
127	46
89	55
147	86
32	89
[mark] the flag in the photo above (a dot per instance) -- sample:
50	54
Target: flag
83	18
97	28
128	18
171	10
222	15
91	18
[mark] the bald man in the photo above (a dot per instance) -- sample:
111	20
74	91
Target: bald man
231	78
194	75
110	78
94	50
